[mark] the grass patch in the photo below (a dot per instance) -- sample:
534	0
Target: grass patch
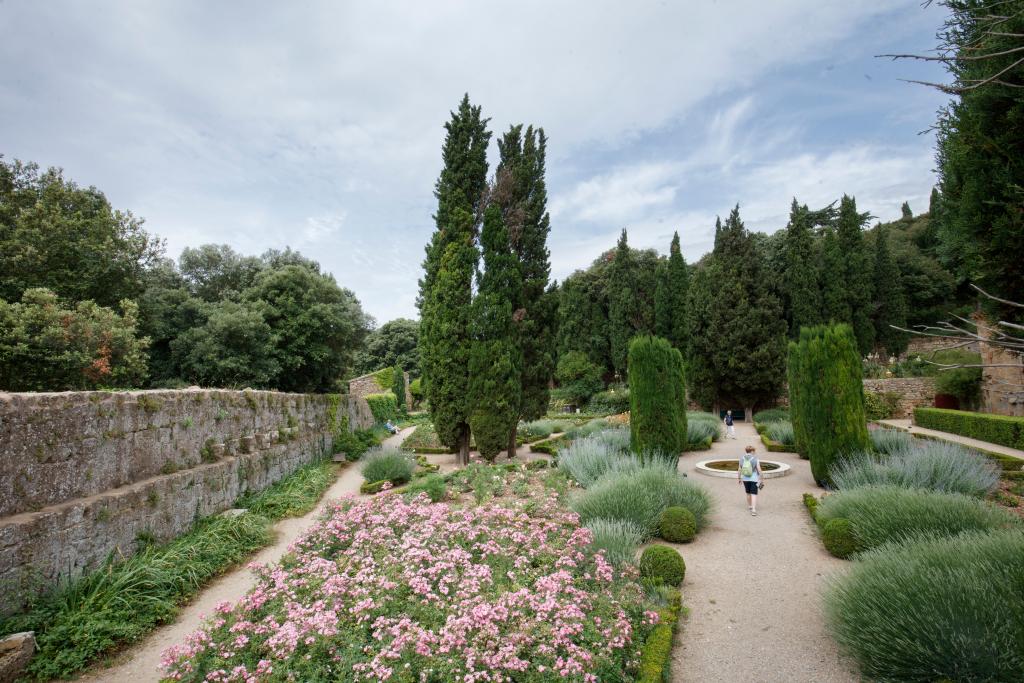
619	539
88	618
388	465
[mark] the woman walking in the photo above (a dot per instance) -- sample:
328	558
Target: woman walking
750	477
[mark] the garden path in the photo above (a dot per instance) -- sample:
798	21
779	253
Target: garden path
908	426
753	584
141	663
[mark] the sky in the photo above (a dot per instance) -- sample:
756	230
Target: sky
318	125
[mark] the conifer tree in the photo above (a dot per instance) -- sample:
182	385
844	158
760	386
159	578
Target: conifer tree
521	192
800	277
446	287
662	303
907	214
700	348
826	397
621	297
856	273
890	299
677	285
834	304
495	359
656	385
398	388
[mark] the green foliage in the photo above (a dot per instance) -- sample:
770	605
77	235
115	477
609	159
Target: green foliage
640	495
938	609
610	402
433	485
47	347
702	431
588	459
87	618
495	359
981	151
879	514
618	539
854	276
58	236
932	465
216	272
880	405
395	343
771	415
673	281
416	389
386	464
837	536
890	302
539	429
657	652
383	406
964	383
811	503
889	440
662	564
826	396
621	303
578	377
657	397
781	432
800	277
677	525
398	389
998	429
385	378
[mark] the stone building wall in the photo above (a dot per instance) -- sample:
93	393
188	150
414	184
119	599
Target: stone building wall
367	384
922	346
914	392
1002	381
84	474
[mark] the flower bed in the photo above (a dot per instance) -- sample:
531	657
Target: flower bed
389	589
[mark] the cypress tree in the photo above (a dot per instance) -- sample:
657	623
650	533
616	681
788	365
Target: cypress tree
621	299
890	299
834	304
907	214
495	360
446	287
670	297
521	192
701	345
826	396
662	303
856	273
656	384
800	275
398	387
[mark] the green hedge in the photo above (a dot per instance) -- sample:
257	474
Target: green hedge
1000	429
657	650
775	446
383	406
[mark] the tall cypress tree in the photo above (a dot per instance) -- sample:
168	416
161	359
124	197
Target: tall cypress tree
621	297
662	302
800	278
495	359
656	384
446	287
890	300
521	192
677	285
856	273
700	348
834	304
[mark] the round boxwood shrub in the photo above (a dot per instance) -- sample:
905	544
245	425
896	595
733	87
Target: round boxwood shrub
837	534
662	564
678	525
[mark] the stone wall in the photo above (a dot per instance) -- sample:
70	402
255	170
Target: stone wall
922	346
84	474
367	384
914	392
1002	377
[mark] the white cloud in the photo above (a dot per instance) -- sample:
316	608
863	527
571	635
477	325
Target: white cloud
621	194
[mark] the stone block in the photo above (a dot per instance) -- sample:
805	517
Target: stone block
15	652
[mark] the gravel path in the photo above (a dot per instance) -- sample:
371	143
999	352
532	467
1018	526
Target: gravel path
753	584
141	663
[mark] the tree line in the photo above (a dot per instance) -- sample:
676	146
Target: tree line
88	300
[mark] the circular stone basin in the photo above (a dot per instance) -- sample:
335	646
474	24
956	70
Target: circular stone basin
726	467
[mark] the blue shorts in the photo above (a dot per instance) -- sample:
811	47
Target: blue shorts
750	487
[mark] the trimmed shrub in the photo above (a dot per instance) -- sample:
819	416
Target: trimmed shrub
1000	429
388	464
827	397
416	389
639	496
398	389
937	609
880	405
657	650
587	460
677	525
383	406
611	402
771	415
811	503
880	514
781	432
657	397
889	440
578	377
618	539
934	465
433	485
837	535
662	564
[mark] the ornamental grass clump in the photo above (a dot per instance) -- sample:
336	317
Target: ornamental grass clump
933	465
390	589
781	431
939	609
618	539
700	431
771	415
587	460
880	514
889	440
538	429
388	464
639	496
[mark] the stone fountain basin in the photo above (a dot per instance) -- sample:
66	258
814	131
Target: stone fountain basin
726	467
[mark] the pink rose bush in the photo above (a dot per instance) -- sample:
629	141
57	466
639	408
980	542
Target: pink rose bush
389	589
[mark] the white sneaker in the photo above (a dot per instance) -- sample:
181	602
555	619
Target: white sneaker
753	512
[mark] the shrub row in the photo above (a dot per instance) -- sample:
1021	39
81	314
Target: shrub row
998	429
657	650
383	406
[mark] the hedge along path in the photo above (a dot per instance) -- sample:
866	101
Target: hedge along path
753	584
977	444
141	662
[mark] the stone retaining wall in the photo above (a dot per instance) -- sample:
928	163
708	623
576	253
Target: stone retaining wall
84	474
367	384
914	392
